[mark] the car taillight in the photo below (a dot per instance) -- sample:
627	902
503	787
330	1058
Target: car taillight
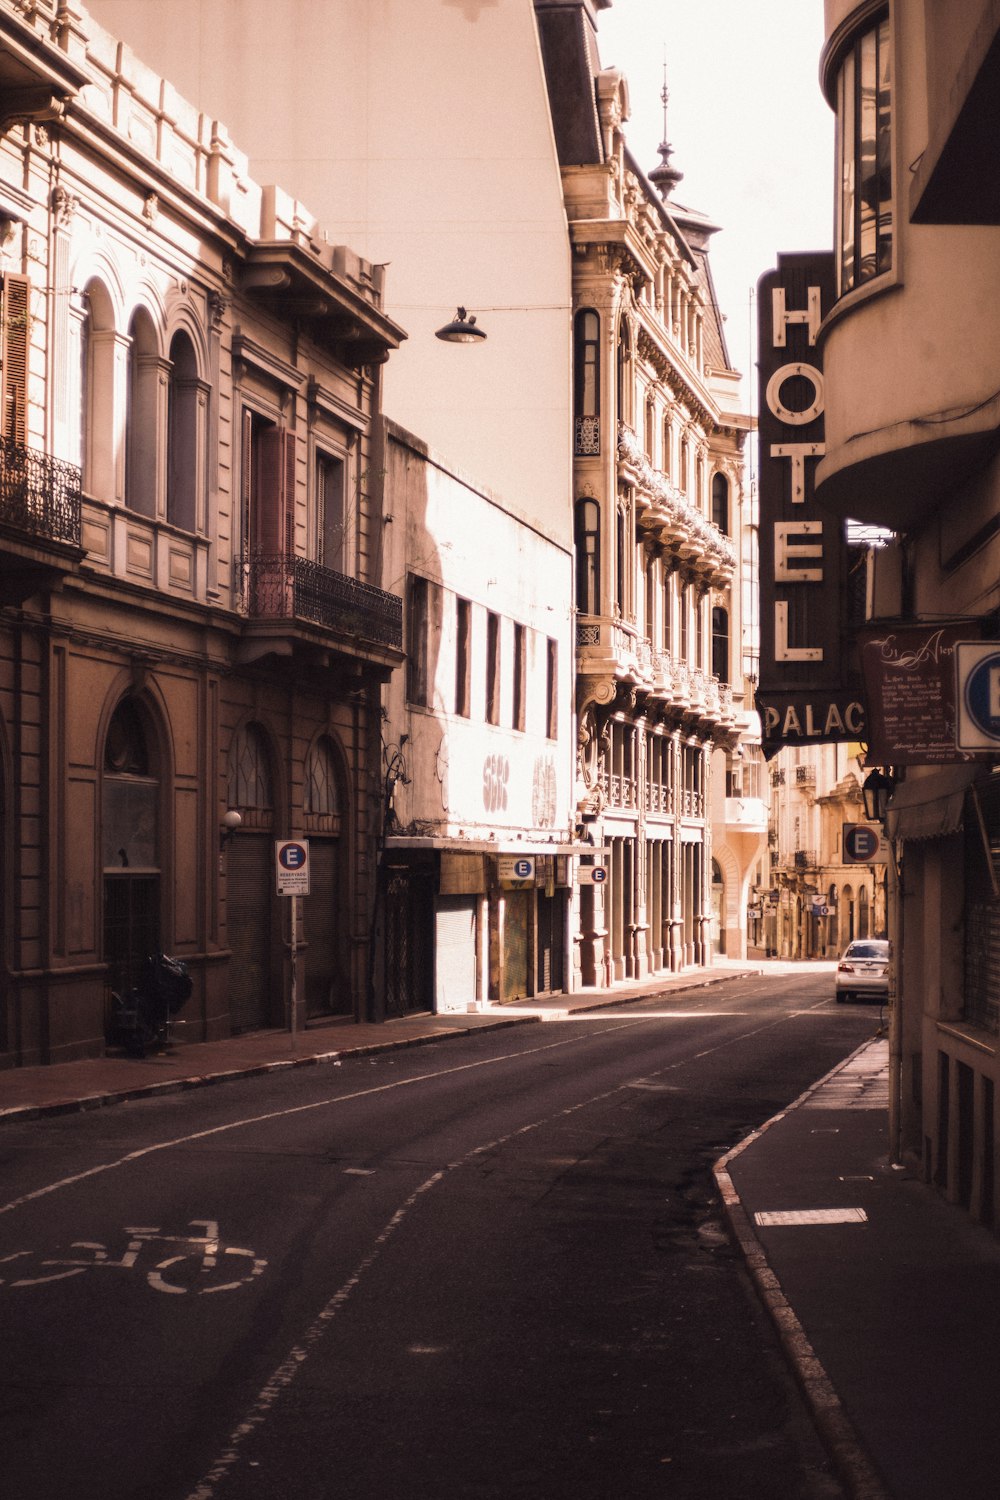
845	968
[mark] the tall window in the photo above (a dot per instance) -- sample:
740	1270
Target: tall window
141	417
588	557
130	842
520	665
720	502
624	374
587	383
331	519
684	614
463	657
15	306
720	643
551	689
423	638
182	434
864	153
492	668
267	486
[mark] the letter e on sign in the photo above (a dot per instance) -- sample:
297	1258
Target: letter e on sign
291	866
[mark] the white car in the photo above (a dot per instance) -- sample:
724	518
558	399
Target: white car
863	972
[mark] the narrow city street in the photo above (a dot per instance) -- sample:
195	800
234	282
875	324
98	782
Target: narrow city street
489	1269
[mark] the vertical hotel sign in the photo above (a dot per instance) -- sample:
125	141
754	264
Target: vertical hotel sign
807	692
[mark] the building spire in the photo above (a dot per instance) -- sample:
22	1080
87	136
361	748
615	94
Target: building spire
665	177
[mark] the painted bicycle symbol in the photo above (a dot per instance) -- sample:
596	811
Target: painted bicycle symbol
200	1264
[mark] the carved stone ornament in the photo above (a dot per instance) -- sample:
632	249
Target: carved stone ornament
151	208
217	306
64	207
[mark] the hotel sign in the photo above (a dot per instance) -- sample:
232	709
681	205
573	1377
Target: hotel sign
807	692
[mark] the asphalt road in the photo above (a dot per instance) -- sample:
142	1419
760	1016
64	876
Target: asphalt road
484	1270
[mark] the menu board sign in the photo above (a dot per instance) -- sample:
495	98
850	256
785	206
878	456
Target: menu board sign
909	674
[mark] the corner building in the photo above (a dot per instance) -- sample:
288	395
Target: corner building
189	625
912	369
658	511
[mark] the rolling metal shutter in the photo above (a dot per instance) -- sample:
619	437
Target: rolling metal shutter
248	922
455	952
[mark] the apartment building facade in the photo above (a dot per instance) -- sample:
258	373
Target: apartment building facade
658	515
190	624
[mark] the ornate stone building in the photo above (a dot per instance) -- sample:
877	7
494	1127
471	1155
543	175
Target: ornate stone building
190	621
658	509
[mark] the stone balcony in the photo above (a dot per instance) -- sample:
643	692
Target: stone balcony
694	544
612	654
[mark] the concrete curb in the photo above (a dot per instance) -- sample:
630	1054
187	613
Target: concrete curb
846	1450
252	1070
104	1098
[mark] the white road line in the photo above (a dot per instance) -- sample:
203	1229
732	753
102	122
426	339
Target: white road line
293	1362
279	1114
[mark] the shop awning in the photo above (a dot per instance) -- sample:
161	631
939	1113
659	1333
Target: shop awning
929	807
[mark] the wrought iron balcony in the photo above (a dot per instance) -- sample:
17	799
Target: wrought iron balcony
39	496
285	587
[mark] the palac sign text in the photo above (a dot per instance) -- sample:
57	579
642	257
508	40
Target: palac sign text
808	690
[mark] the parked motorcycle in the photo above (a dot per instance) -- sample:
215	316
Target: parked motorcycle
142	1016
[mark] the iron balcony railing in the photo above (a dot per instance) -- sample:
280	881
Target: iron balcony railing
39	496
284	587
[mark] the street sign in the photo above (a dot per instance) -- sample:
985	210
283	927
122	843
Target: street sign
864	844
291	866
977	677
593	874
516	867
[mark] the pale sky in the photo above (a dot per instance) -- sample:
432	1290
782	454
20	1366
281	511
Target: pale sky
750	129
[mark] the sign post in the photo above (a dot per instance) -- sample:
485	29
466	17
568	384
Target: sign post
291	868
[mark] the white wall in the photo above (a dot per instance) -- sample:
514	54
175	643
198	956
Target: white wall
418	133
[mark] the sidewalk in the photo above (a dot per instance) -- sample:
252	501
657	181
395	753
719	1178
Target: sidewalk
92	1083
886	1298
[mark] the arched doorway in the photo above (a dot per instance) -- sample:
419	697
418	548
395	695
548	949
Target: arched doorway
253	992
130	846
325	911
718	898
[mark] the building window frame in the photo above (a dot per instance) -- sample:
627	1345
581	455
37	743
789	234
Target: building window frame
865	203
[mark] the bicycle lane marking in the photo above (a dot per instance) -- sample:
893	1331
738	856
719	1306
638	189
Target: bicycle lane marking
295	1359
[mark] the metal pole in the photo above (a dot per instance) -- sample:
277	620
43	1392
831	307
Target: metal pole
894	922
294	1019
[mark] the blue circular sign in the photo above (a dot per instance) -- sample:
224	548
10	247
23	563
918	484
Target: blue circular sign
523	868
982	695
600	875
292	856
861	842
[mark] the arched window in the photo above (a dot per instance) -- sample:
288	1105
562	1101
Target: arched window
320	799
98	435
182	435
587	383
684	476
142	417
588	557
649	429
720	502
720	643
665	455
249	785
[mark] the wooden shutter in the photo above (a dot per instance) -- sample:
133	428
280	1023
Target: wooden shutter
275	521
14	355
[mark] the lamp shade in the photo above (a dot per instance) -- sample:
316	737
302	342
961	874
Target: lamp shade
461	330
